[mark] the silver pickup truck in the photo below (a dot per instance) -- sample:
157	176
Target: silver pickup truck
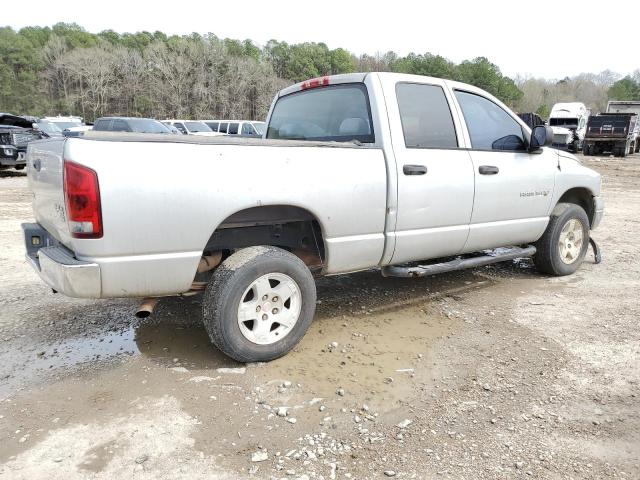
357	171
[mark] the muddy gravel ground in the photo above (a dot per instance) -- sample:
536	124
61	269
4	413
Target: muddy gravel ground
497	372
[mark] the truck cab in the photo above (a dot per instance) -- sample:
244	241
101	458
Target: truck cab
569	124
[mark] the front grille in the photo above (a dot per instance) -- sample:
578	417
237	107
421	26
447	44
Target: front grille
22	139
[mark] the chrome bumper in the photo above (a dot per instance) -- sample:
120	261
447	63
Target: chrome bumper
598	211
57	266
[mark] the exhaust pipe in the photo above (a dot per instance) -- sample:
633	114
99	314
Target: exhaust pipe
146	307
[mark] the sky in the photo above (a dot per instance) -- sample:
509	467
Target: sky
540	38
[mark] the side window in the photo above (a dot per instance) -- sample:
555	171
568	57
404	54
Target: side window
213	126
490	127
426	117
120	126
223	127
180	127
233	129
101	125
247	129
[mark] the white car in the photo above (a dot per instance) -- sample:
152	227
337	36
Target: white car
247	128
192	127
70	126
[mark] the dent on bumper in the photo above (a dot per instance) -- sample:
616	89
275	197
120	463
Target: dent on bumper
598	211
66	274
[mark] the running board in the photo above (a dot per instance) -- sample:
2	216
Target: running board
458	263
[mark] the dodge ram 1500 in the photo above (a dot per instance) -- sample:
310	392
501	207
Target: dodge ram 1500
356	171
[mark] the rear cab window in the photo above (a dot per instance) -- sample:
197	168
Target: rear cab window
339	113
425	116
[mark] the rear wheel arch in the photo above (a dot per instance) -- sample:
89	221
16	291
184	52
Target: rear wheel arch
289	227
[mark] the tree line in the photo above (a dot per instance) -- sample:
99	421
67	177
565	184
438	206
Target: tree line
66	70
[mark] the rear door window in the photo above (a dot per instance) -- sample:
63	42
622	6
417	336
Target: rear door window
490	127
426	117
338	113
120	126
233	129
223	127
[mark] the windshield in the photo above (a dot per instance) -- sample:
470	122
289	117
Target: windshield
49	128
196	127
260	127
147	125
337	113
563	122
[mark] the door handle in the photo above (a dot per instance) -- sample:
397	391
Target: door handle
488	170
414	169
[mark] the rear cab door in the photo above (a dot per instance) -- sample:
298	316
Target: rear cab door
513	188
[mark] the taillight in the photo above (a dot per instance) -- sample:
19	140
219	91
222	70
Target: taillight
82	198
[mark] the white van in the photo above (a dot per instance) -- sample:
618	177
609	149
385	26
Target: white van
247	128
569	124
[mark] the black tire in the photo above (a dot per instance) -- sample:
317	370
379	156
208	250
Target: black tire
228	284
585	149
637	146
547	258
19	167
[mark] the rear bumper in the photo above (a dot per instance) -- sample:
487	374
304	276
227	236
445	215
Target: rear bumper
598	211
57	266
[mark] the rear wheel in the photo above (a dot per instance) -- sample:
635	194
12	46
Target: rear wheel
564	243
259	303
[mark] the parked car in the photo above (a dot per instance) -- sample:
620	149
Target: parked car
15	134
130	124
627	106
247	128
70	126
48	129
192	127
569	124
357	171
614	133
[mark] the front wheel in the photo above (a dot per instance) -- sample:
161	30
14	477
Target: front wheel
564	244
259	303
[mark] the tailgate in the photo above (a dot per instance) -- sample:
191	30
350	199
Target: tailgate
44	169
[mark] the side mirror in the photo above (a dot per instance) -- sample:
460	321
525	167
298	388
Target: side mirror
541	136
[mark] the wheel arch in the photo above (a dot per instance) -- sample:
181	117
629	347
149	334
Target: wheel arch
291	227
581	196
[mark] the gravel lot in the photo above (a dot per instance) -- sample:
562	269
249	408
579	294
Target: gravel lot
497	372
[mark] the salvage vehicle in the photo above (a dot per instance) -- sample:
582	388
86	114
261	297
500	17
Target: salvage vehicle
569	124
70	126
130	124
627	106
356	171
614	133
531	119
15	134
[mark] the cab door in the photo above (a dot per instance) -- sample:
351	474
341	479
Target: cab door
434	175
513	187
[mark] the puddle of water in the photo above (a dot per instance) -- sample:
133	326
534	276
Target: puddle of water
156	340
